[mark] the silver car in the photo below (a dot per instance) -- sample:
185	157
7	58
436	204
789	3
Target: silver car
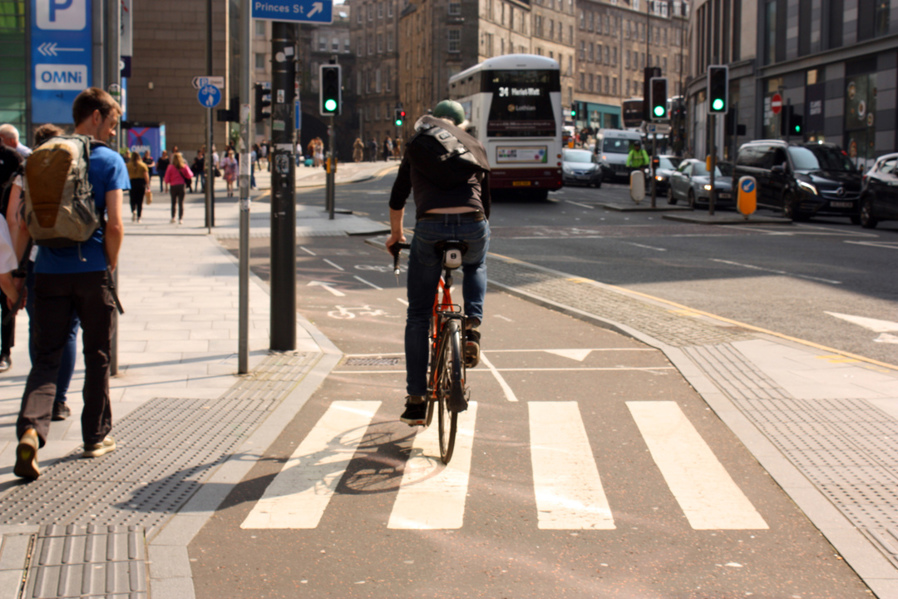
691	182
579	167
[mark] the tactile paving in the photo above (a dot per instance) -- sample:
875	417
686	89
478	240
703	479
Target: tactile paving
95	513
846	447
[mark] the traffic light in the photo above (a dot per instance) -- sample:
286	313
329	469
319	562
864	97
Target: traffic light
791	123
797	123
658	98
232	113
399	117
330	92
574	110
718	89
262	103
648	74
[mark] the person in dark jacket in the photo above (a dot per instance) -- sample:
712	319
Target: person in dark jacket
459	213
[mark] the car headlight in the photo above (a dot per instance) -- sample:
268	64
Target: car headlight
706	187
809	187
659	178
566	168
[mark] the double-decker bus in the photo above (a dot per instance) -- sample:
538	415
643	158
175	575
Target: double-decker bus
632	110
513	103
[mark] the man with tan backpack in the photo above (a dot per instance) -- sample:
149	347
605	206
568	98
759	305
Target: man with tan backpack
78	251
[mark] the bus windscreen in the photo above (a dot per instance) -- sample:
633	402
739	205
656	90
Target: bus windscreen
521	105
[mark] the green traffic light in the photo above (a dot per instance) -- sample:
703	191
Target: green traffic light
798	128
398	122
330	105
717	104
659	111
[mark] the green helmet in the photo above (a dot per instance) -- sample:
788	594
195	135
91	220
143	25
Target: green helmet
450	109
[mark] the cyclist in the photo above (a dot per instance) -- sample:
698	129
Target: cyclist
637	158
459	213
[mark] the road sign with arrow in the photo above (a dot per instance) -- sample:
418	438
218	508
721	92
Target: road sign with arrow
305	11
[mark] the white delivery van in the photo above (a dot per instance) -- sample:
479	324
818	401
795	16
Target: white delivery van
612	148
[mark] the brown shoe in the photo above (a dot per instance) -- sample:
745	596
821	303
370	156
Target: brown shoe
26	456
95	450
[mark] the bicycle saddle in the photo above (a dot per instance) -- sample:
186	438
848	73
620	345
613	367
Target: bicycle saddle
452	252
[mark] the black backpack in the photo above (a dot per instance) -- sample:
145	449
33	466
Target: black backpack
438	153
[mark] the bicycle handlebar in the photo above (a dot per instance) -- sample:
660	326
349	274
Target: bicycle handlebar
395	249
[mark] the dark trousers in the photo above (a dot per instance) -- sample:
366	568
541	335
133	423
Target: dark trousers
138	190
56	296
7	329
177	200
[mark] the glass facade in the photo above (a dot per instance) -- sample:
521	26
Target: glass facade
13	67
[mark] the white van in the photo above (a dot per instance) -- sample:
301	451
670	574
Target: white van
612	148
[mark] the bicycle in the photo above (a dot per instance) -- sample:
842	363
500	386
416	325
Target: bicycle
446	390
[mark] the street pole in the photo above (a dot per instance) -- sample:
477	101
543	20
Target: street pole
652	166
283	188
210	180
711	194
114	82
246	115
330	180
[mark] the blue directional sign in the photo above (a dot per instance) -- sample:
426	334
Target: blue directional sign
748	184
305	11
61	57
209	96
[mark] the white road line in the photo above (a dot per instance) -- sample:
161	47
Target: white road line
647	247
432	496
368	283
699	482
505	318
569	493
404	302
581	205
885	244
299	494
337	266
509	394
776	272
308	251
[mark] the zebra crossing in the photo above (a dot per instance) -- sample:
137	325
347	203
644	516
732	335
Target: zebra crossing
567	486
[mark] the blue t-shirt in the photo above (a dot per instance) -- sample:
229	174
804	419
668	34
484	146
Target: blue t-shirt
108	172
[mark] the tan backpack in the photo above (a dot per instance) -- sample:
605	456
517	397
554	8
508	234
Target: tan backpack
60	210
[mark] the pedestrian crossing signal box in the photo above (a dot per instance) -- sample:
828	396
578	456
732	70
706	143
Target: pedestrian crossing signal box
746	196
330	92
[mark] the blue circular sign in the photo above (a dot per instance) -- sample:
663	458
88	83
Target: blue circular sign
209	96
748	186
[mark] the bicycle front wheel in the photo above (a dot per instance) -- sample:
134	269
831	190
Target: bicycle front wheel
451	387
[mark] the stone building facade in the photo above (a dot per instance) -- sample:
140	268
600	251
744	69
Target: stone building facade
615	42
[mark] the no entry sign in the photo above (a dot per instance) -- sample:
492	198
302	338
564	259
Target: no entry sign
776	103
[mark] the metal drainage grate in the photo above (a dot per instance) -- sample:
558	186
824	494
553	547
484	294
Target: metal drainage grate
373	361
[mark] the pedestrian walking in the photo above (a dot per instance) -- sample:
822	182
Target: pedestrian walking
9	136
178	177
229	166
78	278
151	165
372	150
21	239
199	170
139	175
10	168
442	212
358	150
388	148
161	167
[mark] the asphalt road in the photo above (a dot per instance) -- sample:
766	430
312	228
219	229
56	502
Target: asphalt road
587	467
825	281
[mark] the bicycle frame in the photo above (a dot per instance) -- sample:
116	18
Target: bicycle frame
443	310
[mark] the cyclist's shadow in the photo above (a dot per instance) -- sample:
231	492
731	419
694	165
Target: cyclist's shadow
382	457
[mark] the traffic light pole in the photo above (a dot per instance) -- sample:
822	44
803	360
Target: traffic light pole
283	188
712	193
245	116
330	191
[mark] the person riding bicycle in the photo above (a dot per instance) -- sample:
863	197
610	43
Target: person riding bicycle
459	213
637	158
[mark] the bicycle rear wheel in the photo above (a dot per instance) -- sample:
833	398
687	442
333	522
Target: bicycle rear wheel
451	387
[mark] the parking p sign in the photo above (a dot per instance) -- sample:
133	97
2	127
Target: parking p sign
61	57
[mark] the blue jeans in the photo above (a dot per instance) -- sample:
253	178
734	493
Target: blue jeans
425	266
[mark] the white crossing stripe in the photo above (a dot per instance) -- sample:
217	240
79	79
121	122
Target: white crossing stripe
699	482
569	493
428	501
299	494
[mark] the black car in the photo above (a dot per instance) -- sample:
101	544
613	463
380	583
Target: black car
802	180
665	165
879	196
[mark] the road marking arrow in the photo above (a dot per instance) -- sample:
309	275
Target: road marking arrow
885	327
327	286
317	7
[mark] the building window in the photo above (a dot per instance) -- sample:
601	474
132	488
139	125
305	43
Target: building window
322	43
455	40
260	61
380	10
260	28
389	42
455	8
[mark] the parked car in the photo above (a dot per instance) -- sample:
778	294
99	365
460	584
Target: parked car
691	182
579	167
666	165
612	149
801	180
879	194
